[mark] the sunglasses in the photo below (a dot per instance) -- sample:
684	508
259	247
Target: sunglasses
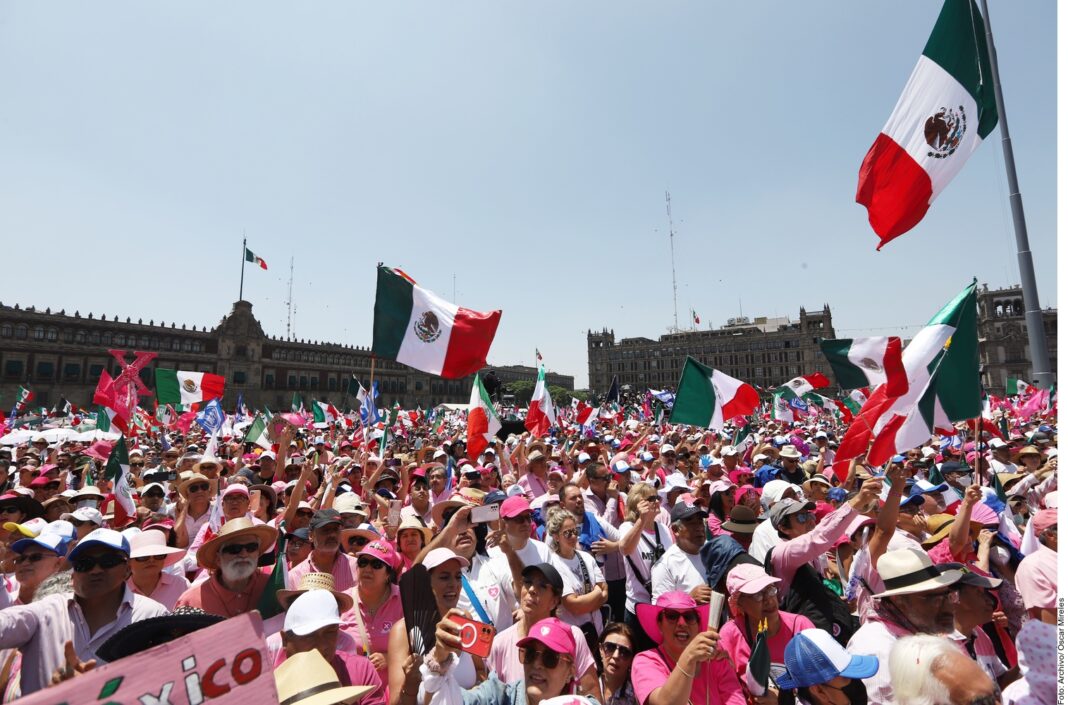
610	648
199	487
146	559
236	549
531	655
29	558
569	533
690	616
137	465
106	561
10	510
373	563
358	541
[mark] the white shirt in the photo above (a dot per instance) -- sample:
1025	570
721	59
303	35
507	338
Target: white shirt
765	538
677	570
492	588
533	553
571	571
874	639
642	558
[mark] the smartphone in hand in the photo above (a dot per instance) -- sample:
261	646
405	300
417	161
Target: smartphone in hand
476	638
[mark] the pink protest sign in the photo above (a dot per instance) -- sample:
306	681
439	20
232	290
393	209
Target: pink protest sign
224	664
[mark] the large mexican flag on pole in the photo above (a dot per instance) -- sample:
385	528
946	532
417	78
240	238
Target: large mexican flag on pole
417	328
180	387
946	110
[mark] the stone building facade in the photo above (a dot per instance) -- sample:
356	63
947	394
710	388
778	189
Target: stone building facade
57	354
1003	347
764	351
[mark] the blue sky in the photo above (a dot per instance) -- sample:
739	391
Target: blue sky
523	147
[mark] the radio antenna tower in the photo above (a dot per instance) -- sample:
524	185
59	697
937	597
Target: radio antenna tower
674	283
289	302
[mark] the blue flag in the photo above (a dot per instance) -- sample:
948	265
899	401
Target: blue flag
211	417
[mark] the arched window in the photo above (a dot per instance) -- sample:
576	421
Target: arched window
38	333
20	331
120	339
6	330
79	337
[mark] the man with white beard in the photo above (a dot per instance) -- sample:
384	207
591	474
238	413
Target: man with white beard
235	584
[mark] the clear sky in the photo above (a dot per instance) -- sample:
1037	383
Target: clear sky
522	147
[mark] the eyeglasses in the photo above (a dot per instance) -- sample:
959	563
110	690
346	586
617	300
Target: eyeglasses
295	544
373	563
768	593
610	648
106	561
137	465
550	659
146	559
690	616
199	487
236	549
29	558
569	533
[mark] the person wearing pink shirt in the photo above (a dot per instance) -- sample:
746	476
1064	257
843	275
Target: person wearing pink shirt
149	555
687	664
1036	578
376	603
326	555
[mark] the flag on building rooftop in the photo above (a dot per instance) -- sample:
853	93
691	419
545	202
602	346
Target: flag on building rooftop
417	328
866	362
181	387
709	398
944	113
258	261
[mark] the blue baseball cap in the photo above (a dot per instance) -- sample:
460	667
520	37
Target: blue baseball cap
922	487
898	459
837	494
102	537
813	657
910	499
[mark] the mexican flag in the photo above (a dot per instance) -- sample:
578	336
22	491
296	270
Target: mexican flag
1018	387
708	398
257	433
324	413
297	404
942	364
867	362
178	387
417	328
801	386
780	406
944	113
541	414
758	670
258	261
118	471
482	421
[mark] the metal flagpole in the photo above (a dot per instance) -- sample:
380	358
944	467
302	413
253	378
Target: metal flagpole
241	291
1036	333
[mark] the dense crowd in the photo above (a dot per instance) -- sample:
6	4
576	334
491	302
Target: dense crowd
630	563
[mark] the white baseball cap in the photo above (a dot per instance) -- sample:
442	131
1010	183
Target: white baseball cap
584	457
311	611
667	448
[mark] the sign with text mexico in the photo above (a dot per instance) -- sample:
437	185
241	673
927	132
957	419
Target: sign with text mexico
223	665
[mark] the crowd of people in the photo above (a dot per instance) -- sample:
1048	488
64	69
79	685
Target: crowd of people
628	563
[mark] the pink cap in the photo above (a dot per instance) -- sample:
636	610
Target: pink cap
279	486
744	490
748	579
648	615
235	489
858	522
983	514
45	469
1043	519
719	486
553	634
39	481
381	551
737	473
514	506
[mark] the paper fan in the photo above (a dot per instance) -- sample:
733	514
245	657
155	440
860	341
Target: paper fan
420	609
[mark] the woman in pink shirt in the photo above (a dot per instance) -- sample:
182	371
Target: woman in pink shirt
753	597
376	603
149	555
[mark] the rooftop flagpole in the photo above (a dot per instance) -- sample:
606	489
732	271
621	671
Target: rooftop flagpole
244	248
1036	333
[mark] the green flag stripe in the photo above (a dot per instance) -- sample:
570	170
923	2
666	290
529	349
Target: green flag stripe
167	391
848	375
958	45
393	310
695	400
957	381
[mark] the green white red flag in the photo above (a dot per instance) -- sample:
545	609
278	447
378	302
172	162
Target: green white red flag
867	362
117	471
416	327
542	414
709	398
181	387
800	386
483	422
944	113
258	261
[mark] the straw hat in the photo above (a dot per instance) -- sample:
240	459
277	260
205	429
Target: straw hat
1026	450
465	497
189	479
938	526
308	679
908	571
410	522
315	581
242	527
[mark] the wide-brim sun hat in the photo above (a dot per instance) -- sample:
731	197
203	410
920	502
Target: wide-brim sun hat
315	581
649	614
306	678
154	543
909	571
242	527
410	522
